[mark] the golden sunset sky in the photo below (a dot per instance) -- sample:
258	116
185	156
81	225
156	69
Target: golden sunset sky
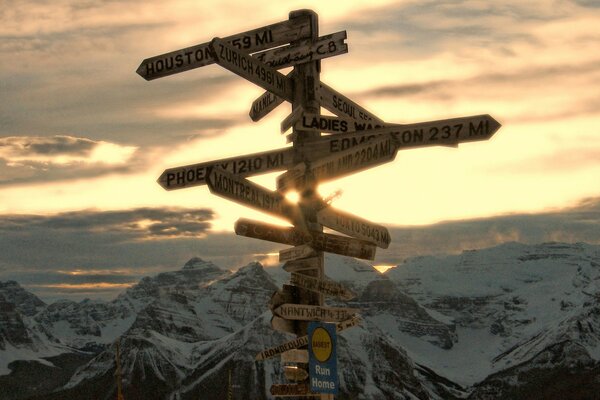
83	138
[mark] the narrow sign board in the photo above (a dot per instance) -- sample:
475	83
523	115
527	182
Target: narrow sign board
295	373
252	69
304	52
325	286
297	252
354	226
302	341
295	356
230	186
305	312
342	106
272	233
200	55
291	390
326	123
446	132
367	155
291	119
247	165
266	103
302	264
306	242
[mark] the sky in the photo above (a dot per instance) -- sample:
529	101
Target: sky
83	138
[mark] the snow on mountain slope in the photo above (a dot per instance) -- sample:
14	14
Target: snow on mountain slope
508	303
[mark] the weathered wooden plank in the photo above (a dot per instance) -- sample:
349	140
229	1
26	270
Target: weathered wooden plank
200	55
242	166
354	226
305	312
252	69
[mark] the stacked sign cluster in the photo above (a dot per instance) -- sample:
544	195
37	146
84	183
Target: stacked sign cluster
354	140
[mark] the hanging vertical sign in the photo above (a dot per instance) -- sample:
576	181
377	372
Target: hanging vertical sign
322	358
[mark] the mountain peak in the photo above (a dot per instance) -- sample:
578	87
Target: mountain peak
195	263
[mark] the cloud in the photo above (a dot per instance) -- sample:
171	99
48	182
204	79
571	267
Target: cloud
25	159
575	224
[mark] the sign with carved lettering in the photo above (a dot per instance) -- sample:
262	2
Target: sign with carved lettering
263	105
200	55
354	226
252	69
304	52
328	124
305	312
445	132
302	264
233	187
242	166
369	154
325	286
342	106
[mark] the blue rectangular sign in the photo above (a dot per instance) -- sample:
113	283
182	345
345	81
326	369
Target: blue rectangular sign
322	357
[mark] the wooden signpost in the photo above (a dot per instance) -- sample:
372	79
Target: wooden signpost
357	140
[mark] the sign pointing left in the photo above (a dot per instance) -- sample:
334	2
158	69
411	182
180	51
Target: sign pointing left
251	41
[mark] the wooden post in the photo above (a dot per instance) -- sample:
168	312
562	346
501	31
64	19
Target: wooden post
307	82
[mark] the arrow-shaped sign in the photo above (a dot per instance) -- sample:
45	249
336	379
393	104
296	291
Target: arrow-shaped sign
342	106
242	166
302	341
252	69
306	242
369	154
354	226
445	132
200	55
233	187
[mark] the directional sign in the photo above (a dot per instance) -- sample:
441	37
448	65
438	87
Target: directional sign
302	341
306	242
200	55
342	106
230	186
291	119
305	312
248	165
252	69
326	123
325	286
352	225
302	264
295	356
345	246
272	233
446	132
297	252
322	358
291	390
266	103
367	155
304	52
295	373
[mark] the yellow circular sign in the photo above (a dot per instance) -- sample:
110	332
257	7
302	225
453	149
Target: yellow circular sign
322	345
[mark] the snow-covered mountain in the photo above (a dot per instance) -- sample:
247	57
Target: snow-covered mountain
489	324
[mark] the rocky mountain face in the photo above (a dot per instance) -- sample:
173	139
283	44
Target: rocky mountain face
497	323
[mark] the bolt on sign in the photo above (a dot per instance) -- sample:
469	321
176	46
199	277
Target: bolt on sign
356	140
